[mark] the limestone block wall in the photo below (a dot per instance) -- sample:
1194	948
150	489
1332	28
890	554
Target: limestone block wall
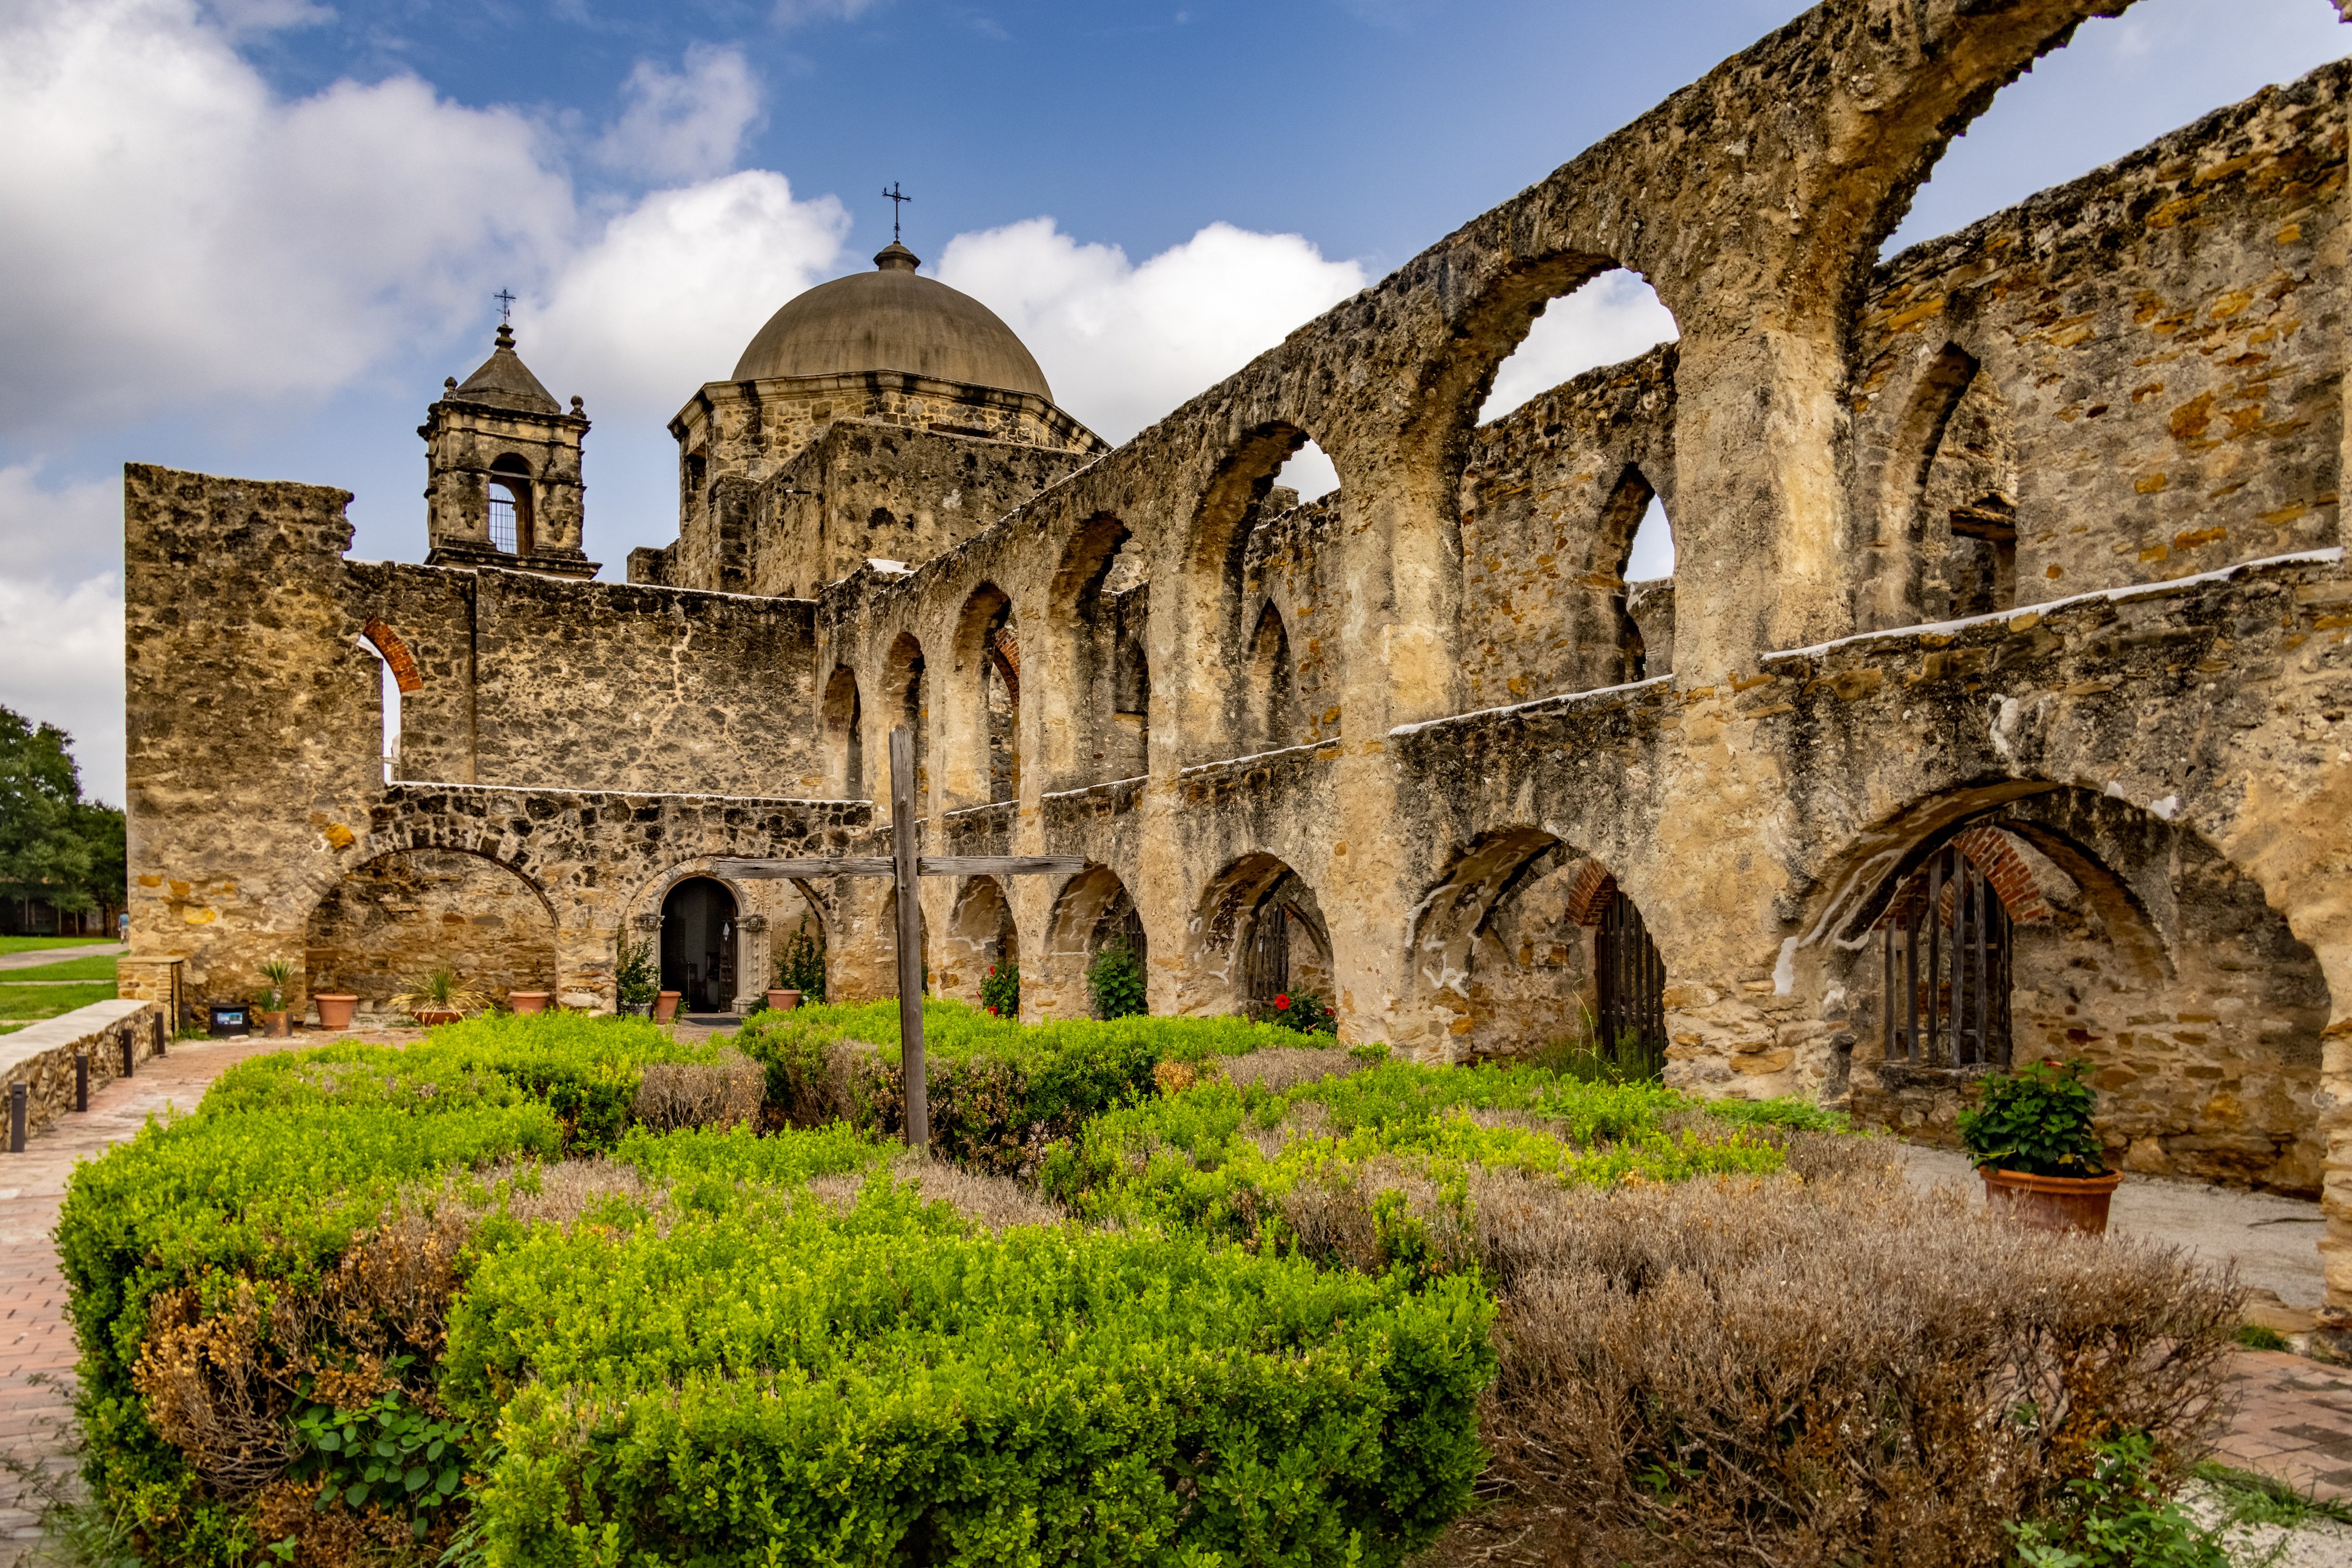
1551	497
1290	565
394	919
528	680
2164	337
41	1055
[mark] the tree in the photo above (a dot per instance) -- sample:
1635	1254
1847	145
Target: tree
42	851
54	845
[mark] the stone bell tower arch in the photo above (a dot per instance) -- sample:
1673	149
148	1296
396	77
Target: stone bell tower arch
502	484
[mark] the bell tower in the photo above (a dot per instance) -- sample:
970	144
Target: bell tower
502	484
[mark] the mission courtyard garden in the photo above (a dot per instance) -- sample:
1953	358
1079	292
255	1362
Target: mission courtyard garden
558	1289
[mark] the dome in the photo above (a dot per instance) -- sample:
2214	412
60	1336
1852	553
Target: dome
892	318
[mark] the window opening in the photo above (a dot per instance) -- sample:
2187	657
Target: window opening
1947	953
505	517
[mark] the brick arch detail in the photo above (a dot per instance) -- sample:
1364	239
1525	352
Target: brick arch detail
405	672
1596	884
1991	852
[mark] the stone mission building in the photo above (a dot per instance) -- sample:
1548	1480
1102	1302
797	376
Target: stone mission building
1997	707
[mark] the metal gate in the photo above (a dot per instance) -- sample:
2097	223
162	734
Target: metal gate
1632	1014
1947	962
1268	961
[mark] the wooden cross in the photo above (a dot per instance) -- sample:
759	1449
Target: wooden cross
905	866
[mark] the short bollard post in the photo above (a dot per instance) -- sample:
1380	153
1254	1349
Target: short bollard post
16	1118
130	1054
163	1037
81	1081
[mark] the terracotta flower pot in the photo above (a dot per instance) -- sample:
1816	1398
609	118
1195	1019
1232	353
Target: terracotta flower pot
334	1008
2053	1203
275	1025
432	1017
783	1001
529	1001
666	1006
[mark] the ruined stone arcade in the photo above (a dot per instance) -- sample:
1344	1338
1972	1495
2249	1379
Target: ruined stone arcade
2021	548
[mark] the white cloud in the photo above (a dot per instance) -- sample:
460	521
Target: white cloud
1122	344
666	297
61	662
1613	317
243	16
177	233
684	127
800	12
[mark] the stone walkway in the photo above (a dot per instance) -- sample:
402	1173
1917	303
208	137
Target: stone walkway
2294	1418
35	958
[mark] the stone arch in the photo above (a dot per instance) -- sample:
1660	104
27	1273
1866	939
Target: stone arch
1271	716
390	918
2138	945
1093	909
980	722
1640	632
1508	946
844	740
402	663
906	697
1256	930
1206	607
510	475
982	936
1945	542
1093	619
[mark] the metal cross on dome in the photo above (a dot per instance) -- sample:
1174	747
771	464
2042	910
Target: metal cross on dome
506	305
896	198
904	866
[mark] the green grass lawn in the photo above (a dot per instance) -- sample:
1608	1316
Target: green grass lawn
33	943
101	968
21	1005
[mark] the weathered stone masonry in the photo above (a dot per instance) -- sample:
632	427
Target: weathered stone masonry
2027	541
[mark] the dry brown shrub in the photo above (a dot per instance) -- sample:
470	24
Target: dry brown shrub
340	1537
724	1094
1173	1077
1777	1370
993	1202
1282	1067
220	1384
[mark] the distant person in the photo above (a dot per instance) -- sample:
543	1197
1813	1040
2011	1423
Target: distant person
122	926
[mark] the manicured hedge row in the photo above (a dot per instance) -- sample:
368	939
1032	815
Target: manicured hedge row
1396	1141
1000	1094
372	1304
774	1382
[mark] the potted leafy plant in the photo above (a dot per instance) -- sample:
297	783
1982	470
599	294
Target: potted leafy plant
438	998
635	979
271	1004
2031	1138
800	967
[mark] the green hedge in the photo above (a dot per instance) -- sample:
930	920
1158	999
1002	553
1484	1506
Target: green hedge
1224	1159
703	1349
1000	1094
777	1382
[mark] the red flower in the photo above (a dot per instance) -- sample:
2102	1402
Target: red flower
991	971
991	1012
1282	1001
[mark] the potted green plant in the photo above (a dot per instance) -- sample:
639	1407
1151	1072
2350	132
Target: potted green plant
635	980
279	975
800	967
2031	1138
438	998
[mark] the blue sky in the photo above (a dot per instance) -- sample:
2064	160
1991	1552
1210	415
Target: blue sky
251	237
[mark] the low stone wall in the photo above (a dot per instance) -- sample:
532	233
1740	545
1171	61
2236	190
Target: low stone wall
42	1057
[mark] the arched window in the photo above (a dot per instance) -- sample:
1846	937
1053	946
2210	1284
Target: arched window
510	509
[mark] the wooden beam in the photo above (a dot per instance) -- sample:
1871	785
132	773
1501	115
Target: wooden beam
837	865
1001	865
910	938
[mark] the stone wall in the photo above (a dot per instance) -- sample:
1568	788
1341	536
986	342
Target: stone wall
41	1055
392	921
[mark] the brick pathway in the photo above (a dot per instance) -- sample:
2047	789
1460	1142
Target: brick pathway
36	1348
2293	1421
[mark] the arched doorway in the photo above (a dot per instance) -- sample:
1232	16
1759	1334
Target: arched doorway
395	919
698	946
